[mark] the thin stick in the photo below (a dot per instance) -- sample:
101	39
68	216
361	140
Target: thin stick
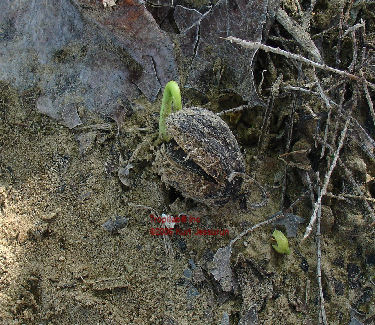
267	114
233	110
257	45
355	53
357	188
299	34
368	97
342	92
346	197
340	33
308	91
326	134
310	188
326	100
328	105
350	177
287	148
250	179
274	217
319	263
365	141
327	177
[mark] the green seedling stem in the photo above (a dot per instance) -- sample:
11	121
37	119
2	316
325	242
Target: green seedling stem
171	101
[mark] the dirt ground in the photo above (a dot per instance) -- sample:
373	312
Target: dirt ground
58	186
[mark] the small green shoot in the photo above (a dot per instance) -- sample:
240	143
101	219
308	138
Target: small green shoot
171	99
282	245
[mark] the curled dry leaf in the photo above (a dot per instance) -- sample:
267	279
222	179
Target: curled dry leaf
137	32
221	269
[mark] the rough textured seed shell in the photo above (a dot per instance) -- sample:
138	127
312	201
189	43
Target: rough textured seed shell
207	140
202	156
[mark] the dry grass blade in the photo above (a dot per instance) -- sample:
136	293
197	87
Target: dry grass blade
302	37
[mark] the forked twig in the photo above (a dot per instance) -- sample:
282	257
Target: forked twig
326	180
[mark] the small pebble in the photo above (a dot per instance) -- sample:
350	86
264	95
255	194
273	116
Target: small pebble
113	226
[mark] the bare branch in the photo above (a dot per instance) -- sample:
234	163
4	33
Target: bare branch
308	91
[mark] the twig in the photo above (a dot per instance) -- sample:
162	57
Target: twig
355	53
249	179
233	110
328	105
357	188
261	82
365	141
346	197
342	92
368	98
319	263
272	218
326	180
267	114
266	48
309	183
287	148
141	206
350	177
326	133
324	97
354	28
269	220
340	33
308	91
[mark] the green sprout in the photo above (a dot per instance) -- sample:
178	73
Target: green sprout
171	99
281	245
